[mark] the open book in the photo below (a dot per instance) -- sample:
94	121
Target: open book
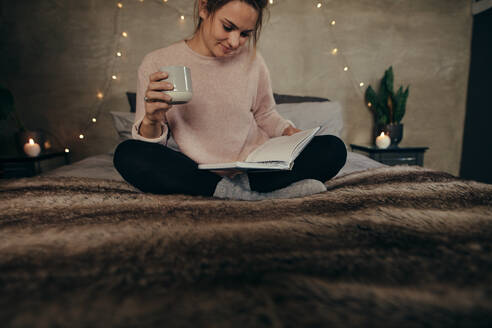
277	153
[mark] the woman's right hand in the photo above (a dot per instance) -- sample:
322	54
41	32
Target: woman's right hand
157	103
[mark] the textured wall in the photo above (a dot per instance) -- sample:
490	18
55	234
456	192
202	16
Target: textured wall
56	55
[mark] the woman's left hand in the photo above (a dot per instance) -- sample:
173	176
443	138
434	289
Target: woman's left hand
290	130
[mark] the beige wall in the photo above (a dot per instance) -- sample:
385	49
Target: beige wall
56	56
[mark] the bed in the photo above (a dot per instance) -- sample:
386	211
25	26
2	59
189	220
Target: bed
384	246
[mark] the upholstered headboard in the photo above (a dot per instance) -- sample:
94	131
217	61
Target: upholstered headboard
279	99
132	100
291	99
304	111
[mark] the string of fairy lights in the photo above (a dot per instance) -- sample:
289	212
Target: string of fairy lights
119	51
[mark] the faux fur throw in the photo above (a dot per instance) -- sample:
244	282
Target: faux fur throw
388	247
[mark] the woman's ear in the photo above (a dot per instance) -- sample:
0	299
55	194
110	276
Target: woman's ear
202	9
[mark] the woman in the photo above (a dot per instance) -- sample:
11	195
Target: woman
231	113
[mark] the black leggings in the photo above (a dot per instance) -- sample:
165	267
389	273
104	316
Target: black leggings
157	169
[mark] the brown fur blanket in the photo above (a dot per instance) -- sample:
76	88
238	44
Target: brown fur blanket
387	247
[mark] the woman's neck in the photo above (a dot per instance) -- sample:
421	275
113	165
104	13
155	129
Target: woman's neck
196	44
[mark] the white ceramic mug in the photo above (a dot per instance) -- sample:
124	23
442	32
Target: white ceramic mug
180	77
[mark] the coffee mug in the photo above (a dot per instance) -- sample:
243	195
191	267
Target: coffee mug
180	77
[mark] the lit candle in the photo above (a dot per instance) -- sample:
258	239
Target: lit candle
383	140
32	149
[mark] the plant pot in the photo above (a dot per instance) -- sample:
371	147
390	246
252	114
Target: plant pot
22	137
394	131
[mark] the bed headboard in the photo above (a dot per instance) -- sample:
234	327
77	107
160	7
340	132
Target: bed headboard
304	111
279	99
291	99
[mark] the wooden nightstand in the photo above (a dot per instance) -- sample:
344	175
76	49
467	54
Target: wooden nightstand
24	166
393	155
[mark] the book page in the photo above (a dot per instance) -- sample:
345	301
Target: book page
246	166
280	148
275	154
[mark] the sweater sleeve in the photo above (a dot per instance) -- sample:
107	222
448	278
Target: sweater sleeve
144	71
264	110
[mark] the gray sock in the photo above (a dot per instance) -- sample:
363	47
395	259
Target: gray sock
238	188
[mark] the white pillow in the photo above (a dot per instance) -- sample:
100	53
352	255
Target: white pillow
123	123
306	115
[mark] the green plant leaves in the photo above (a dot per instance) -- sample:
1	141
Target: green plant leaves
7	107
6	103
388	80
377	105
387	106
371	97
400	103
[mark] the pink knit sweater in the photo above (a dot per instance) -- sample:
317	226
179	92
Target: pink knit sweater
232	110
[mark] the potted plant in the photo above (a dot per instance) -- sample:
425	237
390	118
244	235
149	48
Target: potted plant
7	110
388	107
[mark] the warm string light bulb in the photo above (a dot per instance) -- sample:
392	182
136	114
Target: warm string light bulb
335	52
67	150
319	5
81	136
100	95
182	17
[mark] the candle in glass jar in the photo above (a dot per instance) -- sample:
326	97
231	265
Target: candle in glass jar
383	140
31	148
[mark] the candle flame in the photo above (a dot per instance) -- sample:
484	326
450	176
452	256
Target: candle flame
31	141
382	134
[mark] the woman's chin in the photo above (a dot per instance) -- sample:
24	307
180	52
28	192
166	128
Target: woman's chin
224	52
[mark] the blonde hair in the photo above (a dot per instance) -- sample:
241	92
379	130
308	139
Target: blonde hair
213	5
